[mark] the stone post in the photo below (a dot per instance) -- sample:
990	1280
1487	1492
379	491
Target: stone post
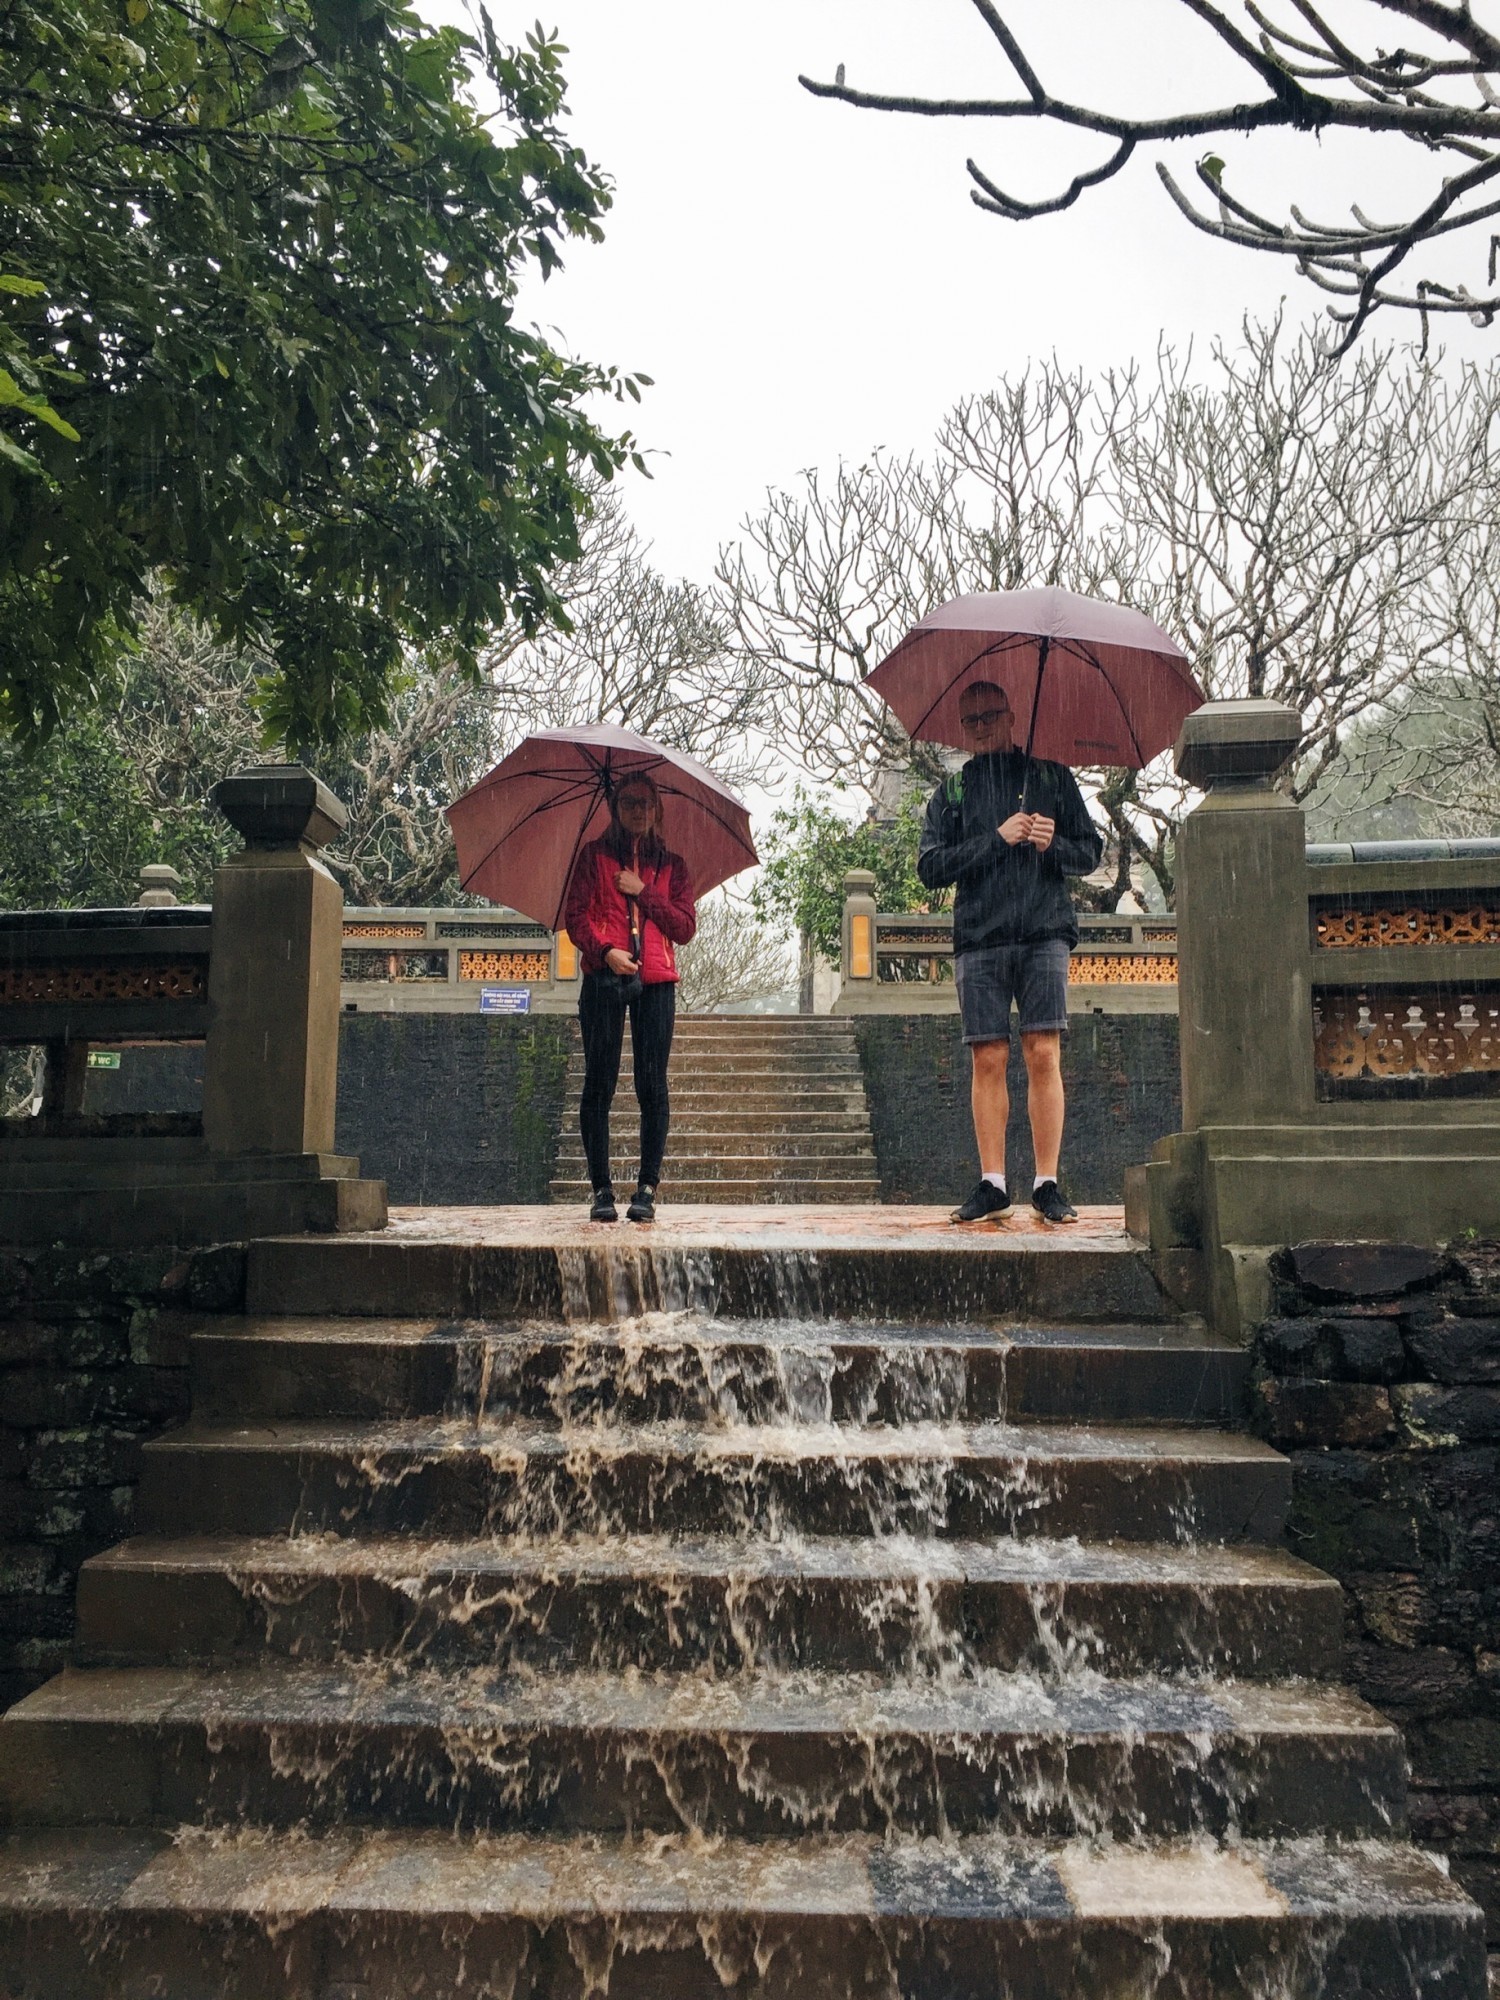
1243	988
271	1064
857	967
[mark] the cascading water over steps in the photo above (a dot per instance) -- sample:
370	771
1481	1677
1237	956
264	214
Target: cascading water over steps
764	1109
493	1652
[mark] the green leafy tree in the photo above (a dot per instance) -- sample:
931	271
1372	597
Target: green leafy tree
258	271
809	848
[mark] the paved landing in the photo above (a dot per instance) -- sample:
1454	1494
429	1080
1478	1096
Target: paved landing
752	1226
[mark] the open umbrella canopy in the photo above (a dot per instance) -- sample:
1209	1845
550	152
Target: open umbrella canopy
520	830
1088	682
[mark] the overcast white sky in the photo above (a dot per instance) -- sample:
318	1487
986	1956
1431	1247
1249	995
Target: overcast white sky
805	281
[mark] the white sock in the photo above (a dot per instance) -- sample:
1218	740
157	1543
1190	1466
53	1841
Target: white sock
1042	1180
995	1180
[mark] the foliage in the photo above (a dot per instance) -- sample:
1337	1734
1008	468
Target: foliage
1309	74
114	788
258	345
732	959
810	847
1315	531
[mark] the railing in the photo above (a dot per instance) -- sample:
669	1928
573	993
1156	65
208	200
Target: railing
1340	1039
256	980
72	977
447	961
899	964
1405	969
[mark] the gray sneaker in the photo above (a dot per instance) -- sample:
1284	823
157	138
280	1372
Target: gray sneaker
985	1201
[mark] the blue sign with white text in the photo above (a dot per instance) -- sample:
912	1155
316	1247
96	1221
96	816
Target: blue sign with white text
505	999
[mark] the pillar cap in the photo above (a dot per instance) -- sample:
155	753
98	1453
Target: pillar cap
1237	743
280	805
858	881
159	885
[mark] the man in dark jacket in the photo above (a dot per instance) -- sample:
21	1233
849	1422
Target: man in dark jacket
1007	830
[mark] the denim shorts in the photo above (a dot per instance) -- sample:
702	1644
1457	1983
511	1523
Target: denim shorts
1035	976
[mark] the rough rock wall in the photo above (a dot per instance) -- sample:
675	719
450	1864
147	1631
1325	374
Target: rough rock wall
93	1361
1380	1376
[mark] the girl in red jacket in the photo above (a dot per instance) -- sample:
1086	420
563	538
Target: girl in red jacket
630	902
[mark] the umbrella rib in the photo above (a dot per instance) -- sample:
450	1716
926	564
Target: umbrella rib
1103	672
583	827
673	791
567	798
1010	639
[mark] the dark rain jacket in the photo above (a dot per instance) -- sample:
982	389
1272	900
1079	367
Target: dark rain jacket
1006	895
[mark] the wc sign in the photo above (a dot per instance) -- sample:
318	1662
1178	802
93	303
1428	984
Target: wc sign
505	999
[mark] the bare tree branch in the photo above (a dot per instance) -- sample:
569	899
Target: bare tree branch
1335	81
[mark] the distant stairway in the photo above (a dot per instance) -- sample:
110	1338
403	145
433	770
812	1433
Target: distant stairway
765	1108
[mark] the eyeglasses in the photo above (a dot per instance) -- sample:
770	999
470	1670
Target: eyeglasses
985	717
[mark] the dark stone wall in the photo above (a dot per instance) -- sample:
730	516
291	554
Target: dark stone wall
93	1361
1380	1376
1121	1076
454	1108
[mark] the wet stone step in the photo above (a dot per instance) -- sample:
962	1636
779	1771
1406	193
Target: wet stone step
389	1915
787	1066
723	1605
460	1479
788	1190
754	1756
721	1147
750	1162
793	1121
880	1268
687	1368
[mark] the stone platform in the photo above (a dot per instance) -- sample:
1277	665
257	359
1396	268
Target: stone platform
788	1262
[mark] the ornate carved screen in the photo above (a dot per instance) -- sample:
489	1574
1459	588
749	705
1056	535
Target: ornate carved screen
1389	1041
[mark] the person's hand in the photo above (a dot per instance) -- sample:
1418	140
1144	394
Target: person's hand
1042	830
1016	830
620	961
628	882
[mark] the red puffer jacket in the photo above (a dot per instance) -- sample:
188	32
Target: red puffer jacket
597	918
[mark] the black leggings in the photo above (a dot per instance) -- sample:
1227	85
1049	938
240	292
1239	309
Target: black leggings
602	1018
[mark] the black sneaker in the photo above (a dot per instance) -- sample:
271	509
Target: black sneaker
642	1205
604	1209
1051	1204
986	1200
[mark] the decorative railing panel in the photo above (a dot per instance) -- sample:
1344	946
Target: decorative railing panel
1377	927
1388	1040
526	966
86	984
453	957
390	965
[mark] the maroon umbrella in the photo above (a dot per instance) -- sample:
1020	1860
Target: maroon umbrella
1090	683
520	830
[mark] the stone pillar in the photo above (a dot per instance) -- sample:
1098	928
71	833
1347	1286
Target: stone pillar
270	1073
1243	988
858	943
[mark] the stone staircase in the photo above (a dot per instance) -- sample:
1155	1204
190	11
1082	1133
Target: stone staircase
484	1656
764	1108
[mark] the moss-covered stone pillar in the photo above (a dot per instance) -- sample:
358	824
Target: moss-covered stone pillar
270	1075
